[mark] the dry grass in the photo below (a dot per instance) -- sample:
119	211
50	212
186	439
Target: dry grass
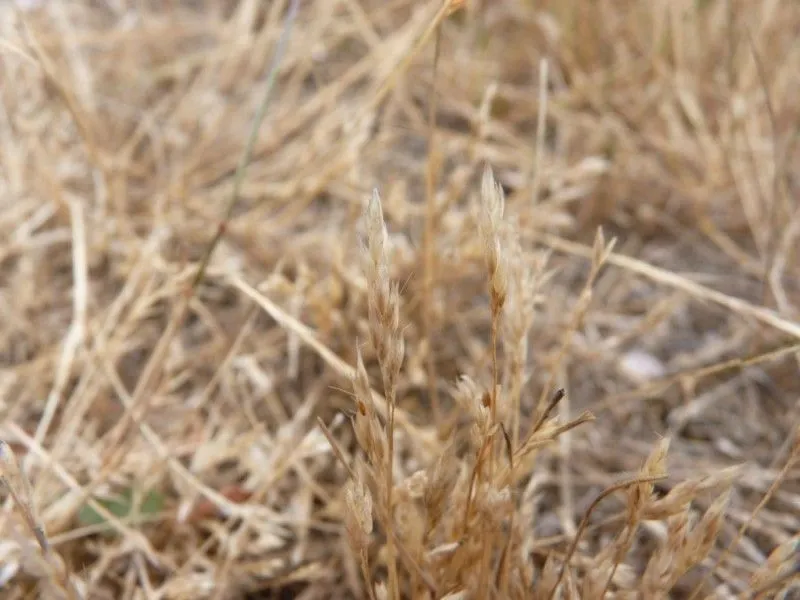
503	305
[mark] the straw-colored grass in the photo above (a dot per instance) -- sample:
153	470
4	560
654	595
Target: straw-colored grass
496	301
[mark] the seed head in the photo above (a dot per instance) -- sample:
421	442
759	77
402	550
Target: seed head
358	514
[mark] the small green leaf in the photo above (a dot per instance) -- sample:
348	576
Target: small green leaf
152	503
121	506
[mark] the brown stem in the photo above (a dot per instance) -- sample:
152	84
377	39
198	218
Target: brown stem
585	521
428	251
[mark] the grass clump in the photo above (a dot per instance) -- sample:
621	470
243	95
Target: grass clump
459	527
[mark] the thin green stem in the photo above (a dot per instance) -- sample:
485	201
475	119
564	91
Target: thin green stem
244	161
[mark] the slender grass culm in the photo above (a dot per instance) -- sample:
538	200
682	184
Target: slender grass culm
53	572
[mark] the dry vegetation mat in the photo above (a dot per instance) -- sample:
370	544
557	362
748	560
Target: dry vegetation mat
399	299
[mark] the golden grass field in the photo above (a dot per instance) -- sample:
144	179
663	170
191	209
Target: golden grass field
399	299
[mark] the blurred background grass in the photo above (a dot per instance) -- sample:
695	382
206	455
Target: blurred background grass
671	125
